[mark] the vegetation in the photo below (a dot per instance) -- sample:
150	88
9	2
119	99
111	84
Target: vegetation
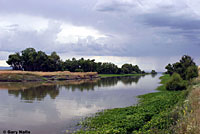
130	69
152	115
156	112
181	73
189	121
176	83
186	68
153	72
25	76
31	60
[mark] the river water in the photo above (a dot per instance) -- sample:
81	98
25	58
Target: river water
53	108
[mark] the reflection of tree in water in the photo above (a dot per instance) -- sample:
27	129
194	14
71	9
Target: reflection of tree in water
130	80
153	75
36	93
104	82
40	92
83	86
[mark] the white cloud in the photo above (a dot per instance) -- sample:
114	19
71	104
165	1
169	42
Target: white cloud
3	63
72	34
23	22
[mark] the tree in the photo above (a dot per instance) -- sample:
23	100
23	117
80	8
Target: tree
153	72
28	59
136	69
143	72
184	68
127	68
108	68
191	72
54	62
170	69
31	60
14	60
186	62
41	61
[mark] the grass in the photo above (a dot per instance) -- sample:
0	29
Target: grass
12	77
118	75
189	121
21	76
154	114
47	73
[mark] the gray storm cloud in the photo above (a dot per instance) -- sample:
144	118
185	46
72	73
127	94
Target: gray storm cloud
129	28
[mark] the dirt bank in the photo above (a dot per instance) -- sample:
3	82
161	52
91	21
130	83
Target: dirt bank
27	76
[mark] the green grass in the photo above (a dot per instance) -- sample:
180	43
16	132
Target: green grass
118	75
153	114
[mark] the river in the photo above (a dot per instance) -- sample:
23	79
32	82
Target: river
55	108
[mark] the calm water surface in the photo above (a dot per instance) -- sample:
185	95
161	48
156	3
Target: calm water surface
53	108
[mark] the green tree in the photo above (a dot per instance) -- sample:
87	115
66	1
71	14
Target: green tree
191	72
136	69
186	62
153	72
28	59
170	69
130	69
41	61
31	60
127	68
182	66
54	62
14	60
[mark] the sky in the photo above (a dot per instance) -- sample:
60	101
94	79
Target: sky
149	33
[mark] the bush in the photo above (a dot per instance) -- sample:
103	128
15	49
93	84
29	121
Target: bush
191	72
176	83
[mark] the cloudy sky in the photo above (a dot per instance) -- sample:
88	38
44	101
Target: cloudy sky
150	33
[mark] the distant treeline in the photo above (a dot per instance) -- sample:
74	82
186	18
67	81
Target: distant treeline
31	60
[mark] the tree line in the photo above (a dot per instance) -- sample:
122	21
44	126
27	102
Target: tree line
32	60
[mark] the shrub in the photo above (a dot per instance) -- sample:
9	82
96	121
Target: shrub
191	72
176	83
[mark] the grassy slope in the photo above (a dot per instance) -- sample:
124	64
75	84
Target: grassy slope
189	119
154	114
20	76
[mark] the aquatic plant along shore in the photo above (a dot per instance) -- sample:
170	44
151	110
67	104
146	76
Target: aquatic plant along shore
154	114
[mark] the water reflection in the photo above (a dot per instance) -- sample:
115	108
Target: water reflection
39	92
36	93
51	108
153	75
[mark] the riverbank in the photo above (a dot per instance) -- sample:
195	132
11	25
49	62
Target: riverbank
189	121
28	76
155	113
